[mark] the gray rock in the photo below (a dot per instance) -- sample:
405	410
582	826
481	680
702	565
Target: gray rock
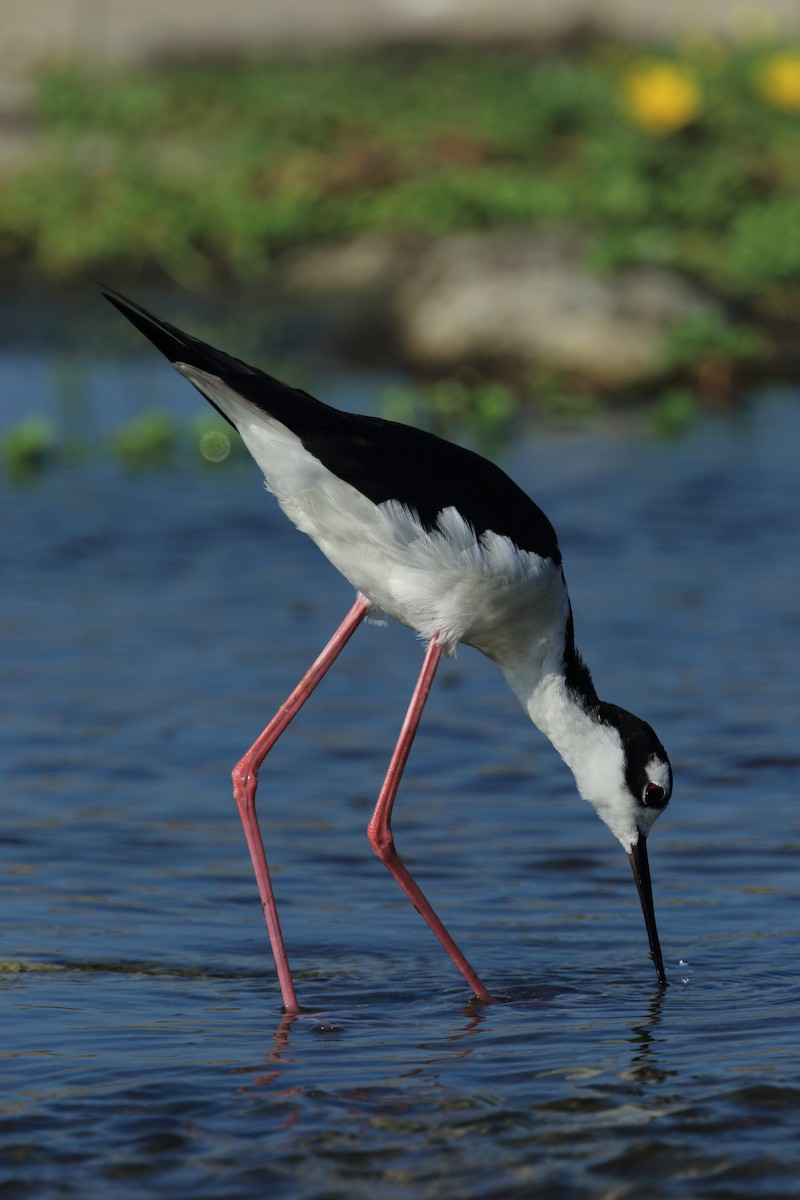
523	297
365	266
511	298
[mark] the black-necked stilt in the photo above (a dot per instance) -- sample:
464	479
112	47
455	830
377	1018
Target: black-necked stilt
442	540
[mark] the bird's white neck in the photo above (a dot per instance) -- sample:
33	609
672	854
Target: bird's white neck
560	700
540	684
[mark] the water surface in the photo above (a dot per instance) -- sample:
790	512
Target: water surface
152	623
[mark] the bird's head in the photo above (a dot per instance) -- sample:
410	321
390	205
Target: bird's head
627	778
623	771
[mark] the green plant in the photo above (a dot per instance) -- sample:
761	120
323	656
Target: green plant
29	447
207	170
674	412
148	441
707	332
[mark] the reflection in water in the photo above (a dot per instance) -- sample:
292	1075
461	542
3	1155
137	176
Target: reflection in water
458	1040
644	1067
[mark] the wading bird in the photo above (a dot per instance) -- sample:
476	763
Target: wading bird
443	541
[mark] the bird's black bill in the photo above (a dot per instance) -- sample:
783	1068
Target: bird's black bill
641	873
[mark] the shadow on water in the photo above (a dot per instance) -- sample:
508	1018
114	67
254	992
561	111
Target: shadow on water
153	622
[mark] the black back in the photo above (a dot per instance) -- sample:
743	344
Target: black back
382	459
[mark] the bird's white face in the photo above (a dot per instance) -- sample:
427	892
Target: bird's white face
627	778
627	794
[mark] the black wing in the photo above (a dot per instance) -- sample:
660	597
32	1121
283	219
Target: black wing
382	459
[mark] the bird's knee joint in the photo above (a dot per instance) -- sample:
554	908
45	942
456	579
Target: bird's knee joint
382	842
244	781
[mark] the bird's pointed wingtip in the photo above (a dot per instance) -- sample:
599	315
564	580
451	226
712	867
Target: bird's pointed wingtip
113	298
121	302
109	293
173	343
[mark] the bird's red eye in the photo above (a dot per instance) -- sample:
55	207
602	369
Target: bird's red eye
654	796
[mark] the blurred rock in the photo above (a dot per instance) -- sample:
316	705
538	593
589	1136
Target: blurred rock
511	298
529	298
369	264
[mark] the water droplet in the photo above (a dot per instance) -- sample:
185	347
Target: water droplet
215	446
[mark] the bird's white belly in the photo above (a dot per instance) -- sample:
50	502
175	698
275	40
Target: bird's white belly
445	582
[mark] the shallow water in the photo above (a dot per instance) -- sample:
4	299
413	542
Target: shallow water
152	624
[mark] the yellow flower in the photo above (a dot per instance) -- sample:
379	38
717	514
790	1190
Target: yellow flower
779	80
660	98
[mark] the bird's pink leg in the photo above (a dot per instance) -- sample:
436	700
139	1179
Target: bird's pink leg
379	830
245	782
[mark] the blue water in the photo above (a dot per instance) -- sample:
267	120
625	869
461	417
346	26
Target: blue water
151	625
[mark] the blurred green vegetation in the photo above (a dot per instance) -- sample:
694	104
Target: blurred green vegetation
152	441
483	413
483	410
209	172
28	448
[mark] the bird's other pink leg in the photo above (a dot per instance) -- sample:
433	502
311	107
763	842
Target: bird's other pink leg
245	782
379	830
